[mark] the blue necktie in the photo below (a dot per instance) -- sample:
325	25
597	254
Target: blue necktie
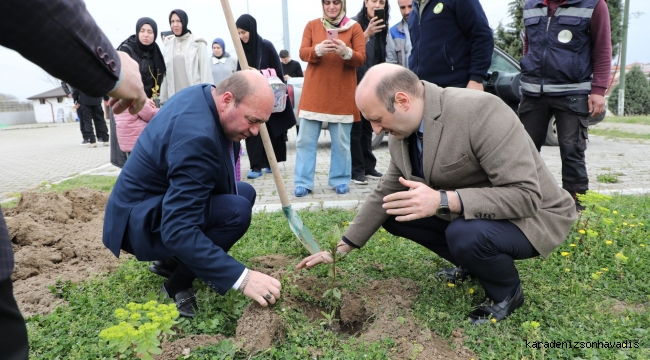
421	151
232	158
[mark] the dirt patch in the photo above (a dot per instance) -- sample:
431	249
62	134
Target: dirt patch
184	346
56	236
621	307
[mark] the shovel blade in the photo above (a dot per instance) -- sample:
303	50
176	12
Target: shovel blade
301	231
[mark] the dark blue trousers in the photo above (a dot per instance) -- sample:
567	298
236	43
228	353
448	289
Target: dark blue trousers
230	217
487	248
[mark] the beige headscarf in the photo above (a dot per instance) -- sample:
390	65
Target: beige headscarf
341	23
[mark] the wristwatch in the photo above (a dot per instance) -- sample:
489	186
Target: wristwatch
444	204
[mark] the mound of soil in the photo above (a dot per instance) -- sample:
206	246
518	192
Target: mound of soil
381	310
56	236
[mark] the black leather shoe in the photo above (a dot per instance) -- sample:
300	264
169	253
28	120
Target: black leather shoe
454	274
164	268
489	310
185	302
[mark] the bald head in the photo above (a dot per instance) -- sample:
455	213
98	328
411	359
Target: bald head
248	83
244	101
384	81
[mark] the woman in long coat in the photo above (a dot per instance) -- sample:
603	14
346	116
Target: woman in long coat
261	55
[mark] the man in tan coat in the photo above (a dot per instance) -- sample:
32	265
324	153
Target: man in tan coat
464	180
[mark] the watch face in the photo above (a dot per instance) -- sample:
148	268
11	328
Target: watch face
443	211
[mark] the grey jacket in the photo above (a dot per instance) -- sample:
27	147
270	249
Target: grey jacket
398	44
222	68
475	144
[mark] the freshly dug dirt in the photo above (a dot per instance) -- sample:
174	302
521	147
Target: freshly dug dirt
56	236
381	310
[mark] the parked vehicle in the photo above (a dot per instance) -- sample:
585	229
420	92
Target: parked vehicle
503	81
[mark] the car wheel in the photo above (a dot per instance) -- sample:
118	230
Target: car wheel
551	134
377	139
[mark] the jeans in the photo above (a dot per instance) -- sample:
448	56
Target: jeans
307	145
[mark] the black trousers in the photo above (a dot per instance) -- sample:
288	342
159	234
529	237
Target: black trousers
487	248
257	154
13	342
572	120
363	160
89	114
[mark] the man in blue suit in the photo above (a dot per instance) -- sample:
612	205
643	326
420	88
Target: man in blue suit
177	197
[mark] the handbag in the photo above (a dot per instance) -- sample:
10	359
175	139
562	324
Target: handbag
279	89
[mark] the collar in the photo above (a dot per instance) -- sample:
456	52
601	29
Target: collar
215	60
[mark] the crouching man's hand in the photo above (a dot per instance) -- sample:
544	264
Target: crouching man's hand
262	288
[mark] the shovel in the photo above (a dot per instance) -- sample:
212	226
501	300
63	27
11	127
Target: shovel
295	223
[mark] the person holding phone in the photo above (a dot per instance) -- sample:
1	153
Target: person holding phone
328	95
373	19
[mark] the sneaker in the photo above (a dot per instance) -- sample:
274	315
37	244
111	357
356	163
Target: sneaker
374	174
185	302
92	145
268	170
301	191
254	174
85	143
360	180
341	189
106	142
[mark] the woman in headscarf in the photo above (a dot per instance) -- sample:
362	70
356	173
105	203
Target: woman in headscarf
223	65
143	49
261	55
328	94
185	56
375	32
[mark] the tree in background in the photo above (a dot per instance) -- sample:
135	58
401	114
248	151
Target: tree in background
637	94
509	38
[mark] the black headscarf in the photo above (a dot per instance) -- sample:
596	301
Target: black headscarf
380	43
248	23
183	16
139	50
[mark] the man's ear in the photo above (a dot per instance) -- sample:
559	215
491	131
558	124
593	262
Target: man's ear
403	101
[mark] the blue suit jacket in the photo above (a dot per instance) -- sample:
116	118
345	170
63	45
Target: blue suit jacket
160	203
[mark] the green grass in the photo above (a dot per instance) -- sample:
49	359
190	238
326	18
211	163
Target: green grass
95	182
643	120
571	297
609	178
613	133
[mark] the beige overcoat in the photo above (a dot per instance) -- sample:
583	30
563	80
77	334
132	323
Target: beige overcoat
475	144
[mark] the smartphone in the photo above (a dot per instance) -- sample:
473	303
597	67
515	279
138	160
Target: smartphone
381	14
332	34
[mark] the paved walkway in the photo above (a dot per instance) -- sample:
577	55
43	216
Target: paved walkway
32	155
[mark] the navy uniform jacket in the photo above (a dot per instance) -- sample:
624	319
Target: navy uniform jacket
160	203
62	38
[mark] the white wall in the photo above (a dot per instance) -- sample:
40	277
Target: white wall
17	117
43	113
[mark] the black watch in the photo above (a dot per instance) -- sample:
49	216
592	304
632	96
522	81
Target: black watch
443	210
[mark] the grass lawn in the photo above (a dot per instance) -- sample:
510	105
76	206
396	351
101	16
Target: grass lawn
613	133
643	120
583	292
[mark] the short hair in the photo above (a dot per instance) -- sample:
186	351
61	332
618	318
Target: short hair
237	85
402	80
284	54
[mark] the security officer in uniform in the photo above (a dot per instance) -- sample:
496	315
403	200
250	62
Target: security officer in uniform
564	73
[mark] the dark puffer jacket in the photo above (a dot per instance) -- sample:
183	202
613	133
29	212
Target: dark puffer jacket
145	60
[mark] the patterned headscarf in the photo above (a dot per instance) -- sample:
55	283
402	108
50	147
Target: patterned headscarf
341	23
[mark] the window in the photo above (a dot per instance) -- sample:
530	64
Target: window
59	100
502	64
42	101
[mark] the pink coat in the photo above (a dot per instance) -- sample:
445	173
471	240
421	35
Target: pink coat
129	127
